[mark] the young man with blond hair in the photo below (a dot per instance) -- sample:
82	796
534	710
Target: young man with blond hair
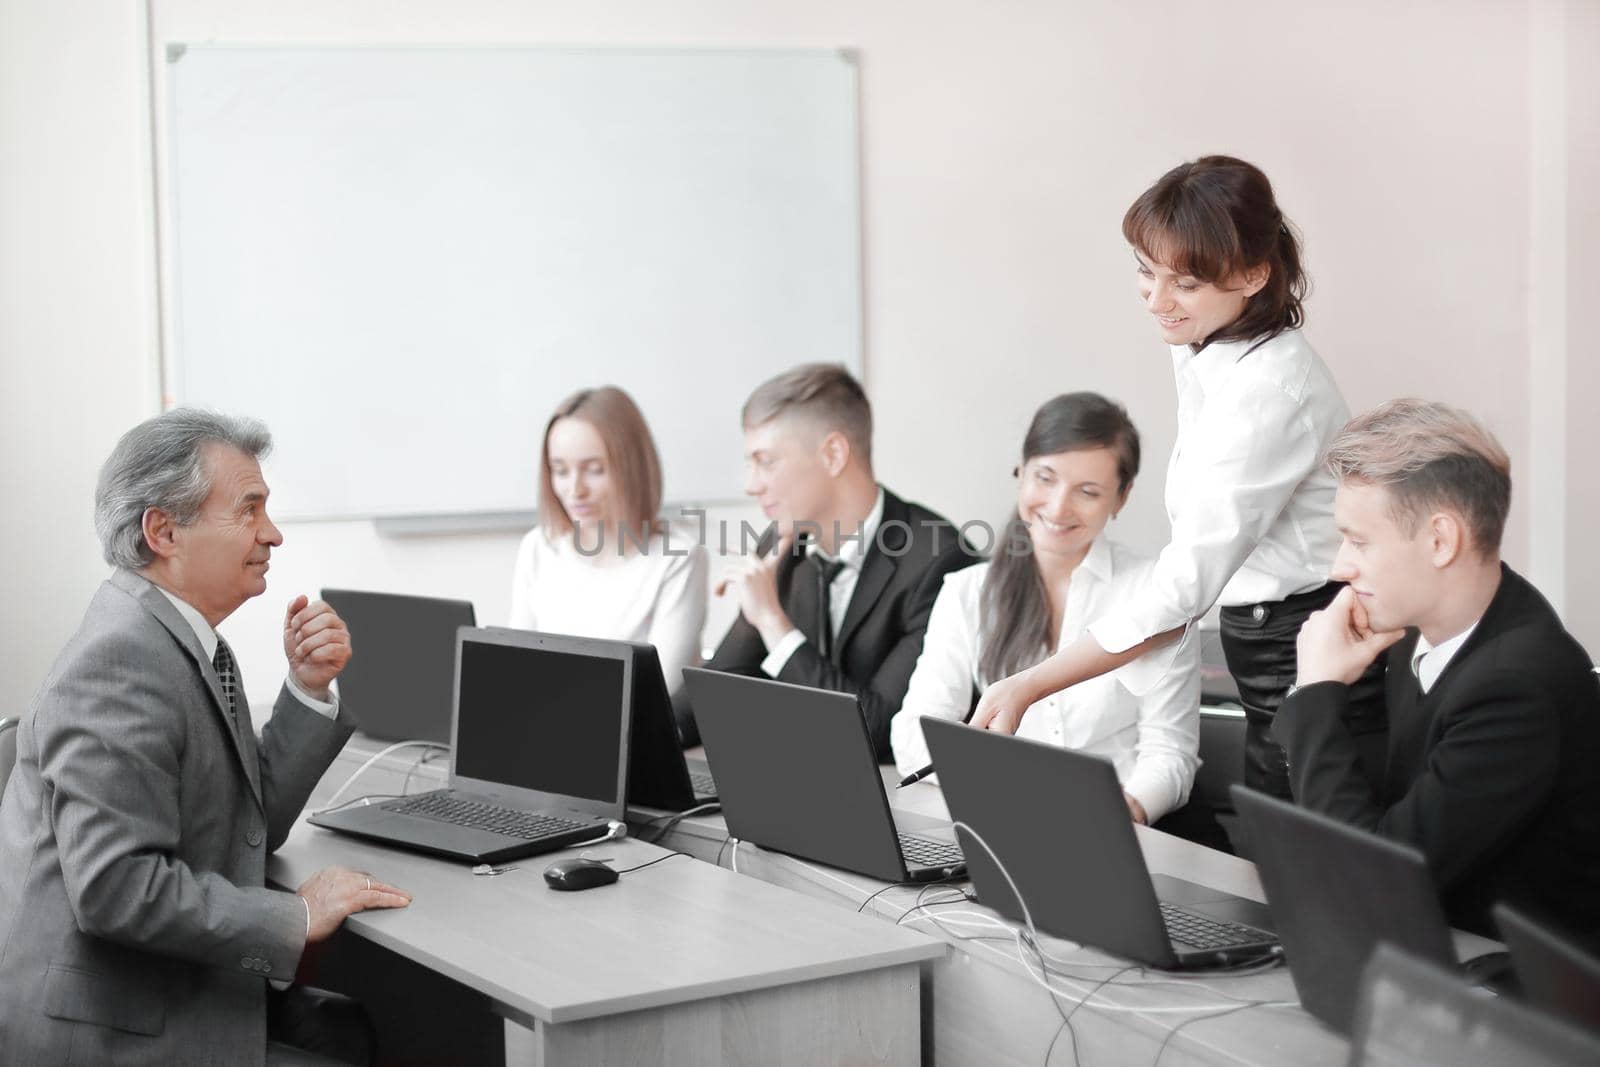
1494	709
842	600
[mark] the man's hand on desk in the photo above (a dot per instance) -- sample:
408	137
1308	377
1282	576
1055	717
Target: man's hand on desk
336	892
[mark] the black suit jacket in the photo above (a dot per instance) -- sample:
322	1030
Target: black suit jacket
1494	774
881	636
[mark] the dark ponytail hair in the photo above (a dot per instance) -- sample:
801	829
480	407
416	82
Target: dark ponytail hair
1214	219
1015	604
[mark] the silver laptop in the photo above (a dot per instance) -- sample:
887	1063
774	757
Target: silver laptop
539	757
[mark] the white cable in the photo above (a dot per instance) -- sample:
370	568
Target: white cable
697	809
614	830
733	854
348	782
423	757
836	880
669	823
1027	916
978	918
1088	992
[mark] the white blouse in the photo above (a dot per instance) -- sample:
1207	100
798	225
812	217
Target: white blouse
1250	502
1153	740
658	595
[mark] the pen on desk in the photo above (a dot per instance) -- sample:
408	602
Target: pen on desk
915	776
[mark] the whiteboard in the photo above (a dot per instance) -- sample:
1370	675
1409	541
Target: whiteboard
403	258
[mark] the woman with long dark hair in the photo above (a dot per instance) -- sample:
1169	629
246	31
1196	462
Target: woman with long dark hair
1052	574
1250	503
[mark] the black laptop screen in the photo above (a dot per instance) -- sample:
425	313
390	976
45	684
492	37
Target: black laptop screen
538	719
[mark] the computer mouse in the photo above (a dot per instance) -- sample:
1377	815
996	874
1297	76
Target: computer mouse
578	874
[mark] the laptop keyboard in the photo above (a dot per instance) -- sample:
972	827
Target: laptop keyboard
701	783
508	821
1188	928
925	852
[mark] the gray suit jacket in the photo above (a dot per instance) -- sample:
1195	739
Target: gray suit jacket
135	927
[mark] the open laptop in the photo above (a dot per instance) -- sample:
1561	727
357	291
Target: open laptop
1058	822
1336	892
1410	1013
659	775
539	756
797	773
1554	973
399	687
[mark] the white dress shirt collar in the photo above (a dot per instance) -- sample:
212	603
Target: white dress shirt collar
1208	364
192	616
853	552
1429	661
1097	562
208	642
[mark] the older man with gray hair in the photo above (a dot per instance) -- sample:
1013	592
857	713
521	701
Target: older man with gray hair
135	925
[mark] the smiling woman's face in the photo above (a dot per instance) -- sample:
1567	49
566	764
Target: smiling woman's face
1067	498
1188	310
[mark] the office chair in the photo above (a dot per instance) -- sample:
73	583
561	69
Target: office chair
1208	819
1221	756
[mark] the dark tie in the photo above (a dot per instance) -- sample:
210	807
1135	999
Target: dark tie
228	675
827	571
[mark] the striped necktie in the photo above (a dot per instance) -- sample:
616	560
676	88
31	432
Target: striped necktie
228	675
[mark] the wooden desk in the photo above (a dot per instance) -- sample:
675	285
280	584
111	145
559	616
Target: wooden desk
988	1005
984	1004
681	962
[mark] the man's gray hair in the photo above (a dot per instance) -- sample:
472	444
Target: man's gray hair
160	463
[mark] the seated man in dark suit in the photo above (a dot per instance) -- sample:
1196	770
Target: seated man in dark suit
843	601
1494	710
135	923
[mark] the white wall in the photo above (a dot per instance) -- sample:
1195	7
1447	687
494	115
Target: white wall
1001	143
1581	281
77	307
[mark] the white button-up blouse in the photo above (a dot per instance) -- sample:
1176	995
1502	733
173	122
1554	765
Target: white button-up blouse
1250	503
1153	740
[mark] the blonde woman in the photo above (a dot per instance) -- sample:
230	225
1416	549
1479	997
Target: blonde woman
601	562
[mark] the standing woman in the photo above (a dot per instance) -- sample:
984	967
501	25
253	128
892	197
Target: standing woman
1250	504
600	563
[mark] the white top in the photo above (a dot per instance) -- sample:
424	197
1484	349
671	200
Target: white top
1153	740
851	553
656	596
1250	502
208	641
1429	661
